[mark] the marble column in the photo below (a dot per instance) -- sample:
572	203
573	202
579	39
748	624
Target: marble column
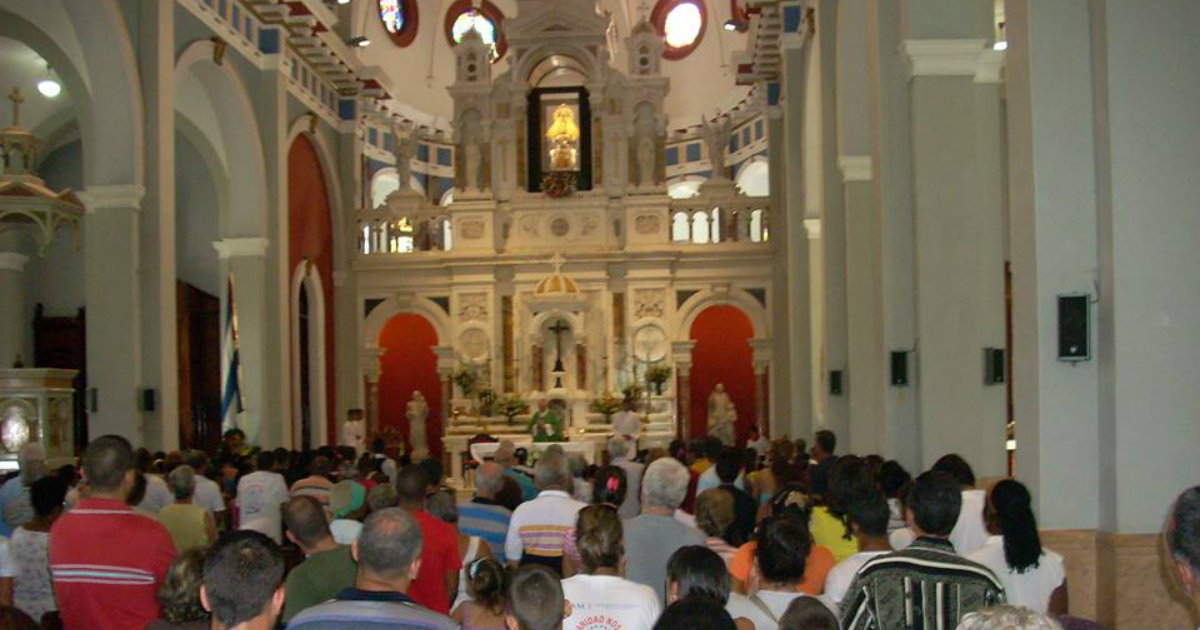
681	356
160	343
245	261
959	262
866	383
113	299
761	349
795	69
14	317
369	364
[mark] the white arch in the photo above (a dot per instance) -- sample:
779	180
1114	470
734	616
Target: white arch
239	134
88	45
756	167
405	304
306	275
531	58
340	223
721	296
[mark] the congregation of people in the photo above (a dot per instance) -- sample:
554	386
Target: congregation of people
699	536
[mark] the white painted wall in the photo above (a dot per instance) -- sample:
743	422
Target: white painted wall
56	280
197	220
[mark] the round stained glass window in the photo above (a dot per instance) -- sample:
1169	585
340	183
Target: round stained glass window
478	22
683	25
392	14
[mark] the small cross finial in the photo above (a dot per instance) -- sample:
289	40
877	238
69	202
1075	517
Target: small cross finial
17	99
557	260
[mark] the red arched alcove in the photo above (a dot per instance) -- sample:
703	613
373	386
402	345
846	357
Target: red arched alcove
722	355
310	237
408	364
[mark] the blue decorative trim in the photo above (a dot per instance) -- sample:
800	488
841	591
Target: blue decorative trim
423	153
372	137
443	157
389	142
346	108
734	142
758	129
268	41
692	152
672	156
773	93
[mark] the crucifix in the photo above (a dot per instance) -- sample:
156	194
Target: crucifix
17	99
558	329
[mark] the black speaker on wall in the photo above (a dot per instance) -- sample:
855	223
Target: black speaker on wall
1074	329
900	368
993	366
835	383
148	399
93	399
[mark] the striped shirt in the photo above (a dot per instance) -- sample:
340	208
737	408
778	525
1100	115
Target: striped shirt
100	578
488	521
316	487
925	587
538	527
370	610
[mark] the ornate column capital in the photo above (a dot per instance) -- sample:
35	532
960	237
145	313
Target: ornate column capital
249	247
943	57
112	197
762	355
12	261
446	359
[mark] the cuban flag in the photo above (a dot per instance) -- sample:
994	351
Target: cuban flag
231	366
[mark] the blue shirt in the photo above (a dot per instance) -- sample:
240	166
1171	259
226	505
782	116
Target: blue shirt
486	520
370	610
10	490
528	490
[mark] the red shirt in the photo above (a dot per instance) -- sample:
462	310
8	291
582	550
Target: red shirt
439	556
107	563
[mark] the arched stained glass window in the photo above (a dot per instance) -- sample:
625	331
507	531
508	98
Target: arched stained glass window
486	19
399	19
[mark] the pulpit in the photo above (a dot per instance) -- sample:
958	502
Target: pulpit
37	405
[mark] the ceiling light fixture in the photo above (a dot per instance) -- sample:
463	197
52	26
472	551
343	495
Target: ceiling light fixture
359	42
1000	45
736	25
48	86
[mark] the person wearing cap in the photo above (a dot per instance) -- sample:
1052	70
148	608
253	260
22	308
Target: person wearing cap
32	460
348	503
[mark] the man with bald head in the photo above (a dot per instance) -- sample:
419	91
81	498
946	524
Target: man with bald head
389	557
482	516
327	568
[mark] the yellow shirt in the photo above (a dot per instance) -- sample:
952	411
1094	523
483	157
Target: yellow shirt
701	465
828	531
187	525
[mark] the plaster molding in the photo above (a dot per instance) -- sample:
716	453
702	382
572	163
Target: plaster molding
249	247
989	66
856	168
340	278
943	57
12	261
113	197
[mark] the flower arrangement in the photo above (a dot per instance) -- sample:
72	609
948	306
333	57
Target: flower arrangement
467	380
608	404
511	406
487	401
657	375
633	392
558	184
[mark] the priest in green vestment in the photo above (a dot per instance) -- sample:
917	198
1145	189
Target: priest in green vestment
546	424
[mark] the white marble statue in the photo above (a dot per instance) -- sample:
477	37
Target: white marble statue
717	134
417	411
404	148
472	141
354	431
722	415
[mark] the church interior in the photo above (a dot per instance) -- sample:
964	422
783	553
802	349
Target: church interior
929	226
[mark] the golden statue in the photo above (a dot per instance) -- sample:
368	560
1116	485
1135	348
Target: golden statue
563	134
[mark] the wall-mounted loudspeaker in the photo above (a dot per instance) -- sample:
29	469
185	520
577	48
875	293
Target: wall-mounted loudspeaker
93	400
900	369
1074	330
993	366
835	383
148	399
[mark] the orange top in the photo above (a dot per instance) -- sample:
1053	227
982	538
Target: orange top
820	561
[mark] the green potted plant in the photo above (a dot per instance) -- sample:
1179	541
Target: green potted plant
607	405
467	381
511	406
657	376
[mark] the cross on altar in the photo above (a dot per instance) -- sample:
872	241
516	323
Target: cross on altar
558	261
558	329
17	99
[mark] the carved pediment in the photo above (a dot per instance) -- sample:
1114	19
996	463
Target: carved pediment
556	19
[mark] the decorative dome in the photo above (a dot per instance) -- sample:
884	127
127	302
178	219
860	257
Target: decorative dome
556	284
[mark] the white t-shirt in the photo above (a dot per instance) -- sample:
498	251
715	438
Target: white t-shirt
1032	588
775	601
6	565
158	495
608	602
541	525
970	532
838	580
354	433
208	495
260	496
345	531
